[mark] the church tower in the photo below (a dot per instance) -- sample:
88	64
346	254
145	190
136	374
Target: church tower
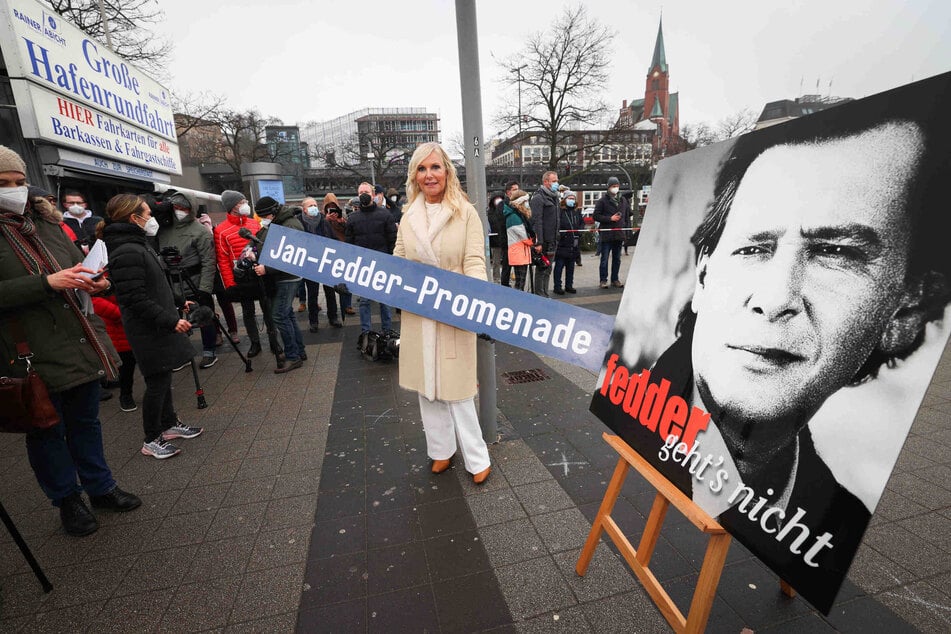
659	105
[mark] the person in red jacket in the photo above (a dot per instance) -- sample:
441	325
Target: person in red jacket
228	248
107	308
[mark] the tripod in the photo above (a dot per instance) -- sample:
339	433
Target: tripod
178	280
27	554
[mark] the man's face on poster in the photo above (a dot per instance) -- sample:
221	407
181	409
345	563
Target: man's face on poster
809	272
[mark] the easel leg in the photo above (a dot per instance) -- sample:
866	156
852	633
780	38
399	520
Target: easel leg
27	553
787	589
607	505
705	592
652	530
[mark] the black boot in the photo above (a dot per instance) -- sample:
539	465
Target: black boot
255	349
77	519
116	500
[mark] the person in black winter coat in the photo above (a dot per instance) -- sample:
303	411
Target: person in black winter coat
613	213
281	286
544	204
371	227
498	242
568	249
315	222
152	324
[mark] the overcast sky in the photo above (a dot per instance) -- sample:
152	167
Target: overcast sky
303	60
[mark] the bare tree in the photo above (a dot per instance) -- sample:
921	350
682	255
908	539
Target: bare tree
559	77
129	24
388	163
231	137
699	134
740	122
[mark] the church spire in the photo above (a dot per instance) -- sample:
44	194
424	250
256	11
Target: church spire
660	56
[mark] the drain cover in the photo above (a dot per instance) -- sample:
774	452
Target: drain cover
525	376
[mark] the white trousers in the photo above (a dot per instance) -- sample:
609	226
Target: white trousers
446	423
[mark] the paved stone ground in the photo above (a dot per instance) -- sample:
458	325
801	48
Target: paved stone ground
308	504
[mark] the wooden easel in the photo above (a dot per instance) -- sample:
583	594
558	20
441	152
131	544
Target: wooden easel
639	560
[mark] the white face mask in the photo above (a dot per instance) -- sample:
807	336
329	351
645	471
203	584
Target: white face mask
181	215
14	199
77	210
393	199
245	209
151	227
313	210
614	190
265	222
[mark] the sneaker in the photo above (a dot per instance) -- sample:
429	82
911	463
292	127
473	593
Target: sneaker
207	362
160	449
558	291
571	290
617	284
603	285
181	367
181	430
127	403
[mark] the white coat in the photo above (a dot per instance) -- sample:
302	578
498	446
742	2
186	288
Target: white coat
459	245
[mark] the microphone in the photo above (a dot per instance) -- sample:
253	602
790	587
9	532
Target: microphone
245	233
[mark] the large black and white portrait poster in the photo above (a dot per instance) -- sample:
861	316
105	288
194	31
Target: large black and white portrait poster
783	316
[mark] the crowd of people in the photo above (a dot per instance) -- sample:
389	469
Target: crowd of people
542	233
168	263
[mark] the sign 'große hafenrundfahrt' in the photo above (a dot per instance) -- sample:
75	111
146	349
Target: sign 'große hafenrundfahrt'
71	90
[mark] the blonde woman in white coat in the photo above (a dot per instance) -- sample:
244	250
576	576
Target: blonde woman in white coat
441	228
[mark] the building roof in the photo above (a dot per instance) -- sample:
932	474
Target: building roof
673	107
784	109
656	111
660	56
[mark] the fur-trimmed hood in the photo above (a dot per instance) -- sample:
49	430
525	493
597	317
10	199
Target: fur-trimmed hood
42	208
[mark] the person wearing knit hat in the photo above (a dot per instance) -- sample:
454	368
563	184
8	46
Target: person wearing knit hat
613	212
230	199
266	206
10	161
282	287
229	248
70	358
568	247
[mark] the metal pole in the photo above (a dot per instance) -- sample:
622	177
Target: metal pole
105	24
630	183
468	37
370	157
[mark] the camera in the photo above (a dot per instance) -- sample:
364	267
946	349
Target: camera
162	210
171	256
244	270
379	346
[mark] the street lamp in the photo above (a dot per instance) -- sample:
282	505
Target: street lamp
370	156
518	72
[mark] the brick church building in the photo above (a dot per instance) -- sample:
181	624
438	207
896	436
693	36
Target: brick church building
659	110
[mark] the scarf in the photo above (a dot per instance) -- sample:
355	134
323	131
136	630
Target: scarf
428	247
21	233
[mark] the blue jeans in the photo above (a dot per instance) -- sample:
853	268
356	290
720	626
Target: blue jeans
365	305
568	265
614	250
72	447
282	310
